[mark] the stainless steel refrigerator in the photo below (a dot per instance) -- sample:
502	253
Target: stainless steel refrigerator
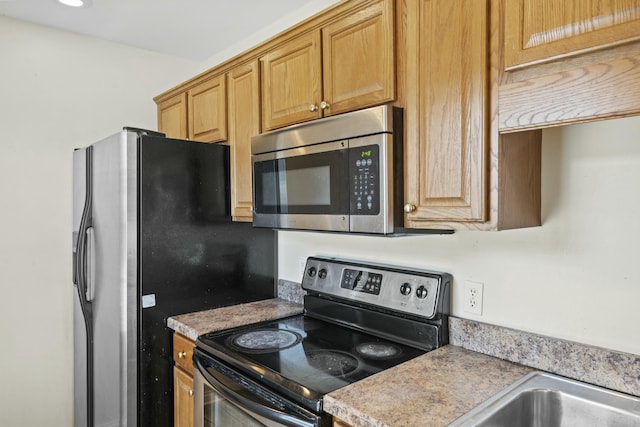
152	238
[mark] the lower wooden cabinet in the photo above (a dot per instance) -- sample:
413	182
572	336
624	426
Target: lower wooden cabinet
182	381
182	398
339	423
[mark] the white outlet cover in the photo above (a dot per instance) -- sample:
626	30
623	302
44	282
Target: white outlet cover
473	297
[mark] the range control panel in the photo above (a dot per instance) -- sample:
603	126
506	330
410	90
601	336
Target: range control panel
419	292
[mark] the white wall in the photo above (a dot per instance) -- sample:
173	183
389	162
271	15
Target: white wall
577	277
57	91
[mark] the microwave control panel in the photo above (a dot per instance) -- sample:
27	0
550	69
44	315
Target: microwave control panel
364	173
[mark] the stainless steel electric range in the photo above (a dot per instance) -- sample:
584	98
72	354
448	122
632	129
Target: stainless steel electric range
359	319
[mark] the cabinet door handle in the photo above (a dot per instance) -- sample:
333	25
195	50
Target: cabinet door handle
324	105
190	393
313	108
182	354
408	208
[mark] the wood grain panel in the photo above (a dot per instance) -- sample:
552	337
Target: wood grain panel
182	399
244	122
291	82
594	91
543	30
172	116
358	59
183	352
208	111
447	109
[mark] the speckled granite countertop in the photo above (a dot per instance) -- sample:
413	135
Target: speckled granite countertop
192	325
442	385
430	390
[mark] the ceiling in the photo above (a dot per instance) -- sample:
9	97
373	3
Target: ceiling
190	29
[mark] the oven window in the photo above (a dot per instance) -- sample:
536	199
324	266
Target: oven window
308	184
219	412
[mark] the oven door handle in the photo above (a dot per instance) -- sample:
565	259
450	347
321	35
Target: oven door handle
249	404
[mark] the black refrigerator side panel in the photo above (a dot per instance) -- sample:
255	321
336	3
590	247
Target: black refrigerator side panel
192	257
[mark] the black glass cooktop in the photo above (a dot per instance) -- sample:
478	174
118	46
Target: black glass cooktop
303	357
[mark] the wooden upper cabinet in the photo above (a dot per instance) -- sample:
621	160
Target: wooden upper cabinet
208	110
447	111
346	65
172	116
359	59
244	122
543	30
292	82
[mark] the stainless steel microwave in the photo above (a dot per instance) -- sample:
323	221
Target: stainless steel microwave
341	173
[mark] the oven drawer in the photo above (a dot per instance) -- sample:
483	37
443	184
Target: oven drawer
183	352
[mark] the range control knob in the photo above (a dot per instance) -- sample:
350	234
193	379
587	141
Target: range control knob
405	289
421	292
322	273
311	272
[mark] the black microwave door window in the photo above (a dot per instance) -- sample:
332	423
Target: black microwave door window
308	184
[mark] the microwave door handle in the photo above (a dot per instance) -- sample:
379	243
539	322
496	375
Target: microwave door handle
250	405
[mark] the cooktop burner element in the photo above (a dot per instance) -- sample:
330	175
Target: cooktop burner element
376	350
264	340
336	363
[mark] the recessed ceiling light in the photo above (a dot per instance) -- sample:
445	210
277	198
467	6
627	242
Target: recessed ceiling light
76	3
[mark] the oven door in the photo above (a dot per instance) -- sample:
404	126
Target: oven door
302	188
224	397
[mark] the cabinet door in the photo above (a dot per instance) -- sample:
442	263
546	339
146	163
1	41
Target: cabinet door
182	398
208	110
183	352
291	82
244	122
358	59
172	116
446	115
541	30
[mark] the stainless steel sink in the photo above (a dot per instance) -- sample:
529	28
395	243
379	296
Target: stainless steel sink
545	400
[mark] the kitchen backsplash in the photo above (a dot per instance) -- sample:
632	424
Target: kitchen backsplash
595	365
290	291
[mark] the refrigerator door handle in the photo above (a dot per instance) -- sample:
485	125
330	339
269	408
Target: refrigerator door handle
91	263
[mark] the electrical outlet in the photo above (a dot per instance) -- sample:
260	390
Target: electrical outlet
302	263
473	297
